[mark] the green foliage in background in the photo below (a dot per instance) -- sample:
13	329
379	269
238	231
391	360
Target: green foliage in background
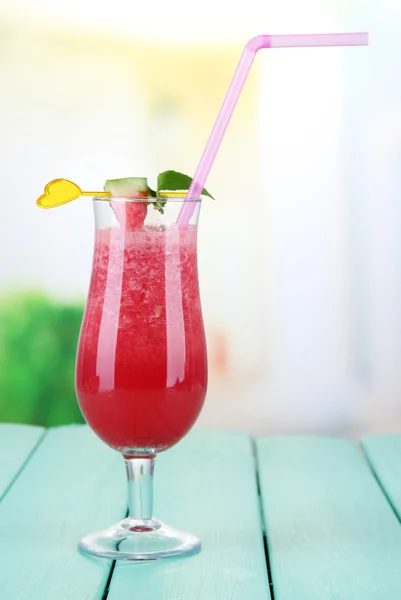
38	341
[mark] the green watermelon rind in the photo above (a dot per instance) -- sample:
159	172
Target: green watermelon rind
128	187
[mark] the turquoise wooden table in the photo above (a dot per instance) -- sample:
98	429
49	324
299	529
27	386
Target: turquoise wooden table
280	518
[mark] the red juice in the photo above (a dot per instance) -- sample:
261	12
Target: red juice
141	372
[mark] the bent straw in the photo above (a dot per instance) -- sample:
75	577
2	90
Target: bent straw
234	91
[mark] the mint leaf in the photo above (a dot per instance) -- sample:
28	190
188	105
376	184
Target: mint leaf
172	181
159	204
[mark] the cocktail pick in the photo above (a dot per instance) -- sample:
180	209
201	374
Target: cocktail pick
62	191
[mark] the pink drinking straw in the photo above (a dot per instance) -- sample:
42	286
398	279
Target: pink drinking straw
234	91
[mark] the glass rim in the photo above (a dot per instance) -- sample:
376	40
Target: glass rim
147	200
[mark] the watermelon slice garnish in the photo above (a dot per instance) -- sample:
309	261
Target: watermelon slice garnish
130	215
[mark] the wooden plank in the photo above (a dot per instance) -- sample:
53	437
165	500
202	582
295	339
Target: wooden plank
331	533
205	485
72	485
384	455
16	444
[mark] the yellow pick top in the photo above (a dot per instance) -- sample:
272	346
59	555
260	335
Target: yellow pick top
61	191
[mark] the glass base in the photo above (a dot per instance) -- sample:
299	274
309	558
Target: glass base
137	540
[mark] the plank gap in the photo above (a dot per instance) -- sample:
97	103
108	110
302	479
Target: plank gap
258	485
108	582
378	481
262	519
269	572
23	465
113	566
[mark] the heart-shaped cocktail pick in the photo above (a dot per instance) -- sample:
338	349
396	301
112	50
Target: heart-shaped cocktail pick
61	191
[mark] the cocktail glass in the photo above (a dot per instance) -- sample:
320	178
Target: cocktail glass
141	371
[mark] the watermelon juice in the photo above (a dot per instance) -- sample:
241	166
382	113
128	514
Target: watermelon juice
141	371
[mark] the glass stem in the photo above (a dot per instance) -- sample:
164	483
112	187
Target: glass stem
140	487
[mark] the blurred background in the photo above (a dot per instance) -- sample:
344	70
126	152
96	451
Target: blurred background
300	256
